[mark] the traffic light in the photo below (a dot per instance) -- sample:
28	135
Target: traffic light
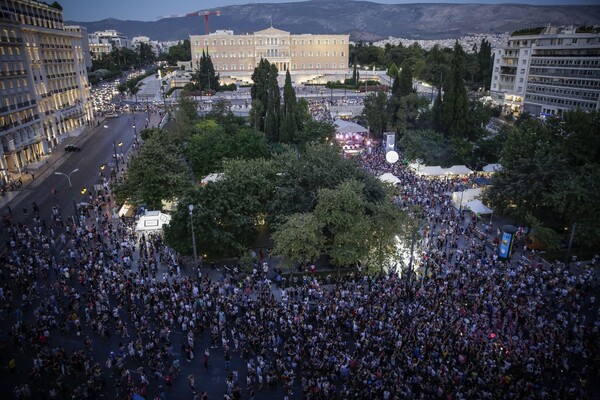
83	190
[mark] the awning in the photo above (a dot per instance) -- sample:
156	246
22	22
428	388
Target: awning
478	207
389	178
492	168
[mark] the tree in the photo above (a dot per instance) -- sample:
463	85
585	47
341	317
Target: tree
212	143
374	103
428	145
299	238
155	174
273	106
185	117
485	64
145	53
405	86
342	211
259	93
315	131
392	71
454	101
289	113
205	76
182	51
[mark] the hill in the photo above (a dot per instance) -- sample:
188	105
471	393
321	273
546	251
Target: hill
362	20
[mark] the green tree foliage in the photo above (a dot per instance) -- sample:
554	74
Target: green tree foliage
289	113
182	51
550	170
211	143
392	71
205	76
366	55
155	174
436	66
373	111
299	238
454	101
273	114
260	92
145	54
485	63
405	84
342	211
185	117
427	145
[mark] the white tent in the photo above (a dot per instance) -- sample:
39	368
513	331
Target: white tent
492	168
464	197
152	221
458	170
389	178
477	207
431	171
342	126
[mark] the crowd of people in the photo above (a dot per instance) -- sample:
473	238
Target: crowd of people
97	309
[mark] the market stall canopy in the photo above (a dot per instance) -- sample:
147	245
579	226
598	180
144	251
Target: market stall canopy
152	221
458	170
342	126
431	171
389	178
492	168
477	207
465	196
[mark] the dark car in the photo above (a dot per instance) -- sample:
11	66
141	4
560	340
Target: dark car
71	147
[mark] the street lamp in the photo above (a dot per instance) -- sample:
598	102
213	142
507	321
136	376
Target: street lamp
115	144
191	208
71	190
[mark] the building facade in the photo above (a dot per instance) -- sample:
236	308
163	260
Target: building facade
548	72
43	80
308	57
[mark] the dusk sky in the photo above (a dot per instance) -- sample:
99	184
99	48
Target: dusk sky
148	10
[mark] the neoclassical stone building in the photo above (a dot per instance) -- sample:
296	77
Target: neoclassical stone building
308	57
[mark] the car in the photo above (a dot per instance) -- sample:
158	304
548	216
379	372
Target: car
71	148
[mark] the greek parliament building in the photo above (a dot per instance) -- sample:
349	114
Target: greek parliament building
547	71
43	82
309	58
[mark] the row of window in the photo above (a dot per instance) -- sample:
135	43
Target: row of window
563	62
563	92
565	102
242	67
272	53
268	41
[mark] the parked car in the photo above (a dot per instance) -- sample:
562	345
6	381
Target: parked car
71	148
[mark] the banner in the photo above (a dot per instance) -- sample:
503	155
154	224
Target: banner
390	141
505	245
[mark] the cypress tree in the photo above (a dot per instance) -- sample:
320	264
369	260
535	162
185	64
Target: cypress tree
405	86
273	105
258	91
289	113
454	102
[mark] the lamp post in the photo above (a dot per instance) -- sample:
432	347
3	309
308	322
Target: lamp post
115	144
191	208
68	176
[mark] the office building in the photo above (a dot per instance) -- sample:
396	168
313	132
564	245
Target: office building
43	80
548	71
308	57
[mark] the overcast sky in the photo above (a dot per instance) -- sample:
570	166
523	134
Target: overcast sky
148	10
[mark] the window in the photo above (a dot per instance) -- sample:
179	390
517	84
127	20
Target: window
241	67
233	67
206	42
222	42
334	41
319	65
197	43
249	41
341	54
214	42
343	41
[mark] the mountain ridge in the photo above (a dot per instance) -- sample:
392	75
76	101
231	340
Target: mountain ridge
363	20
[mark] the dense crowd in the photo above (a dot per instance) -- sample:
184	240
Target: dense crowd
99	309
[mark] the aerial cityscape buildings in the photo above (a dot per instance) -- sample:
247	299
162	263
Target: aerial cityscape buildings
548	71
43	80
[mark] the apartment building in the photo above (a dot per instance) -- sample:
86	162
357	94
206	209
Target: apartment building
548	71
308	57
43	81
